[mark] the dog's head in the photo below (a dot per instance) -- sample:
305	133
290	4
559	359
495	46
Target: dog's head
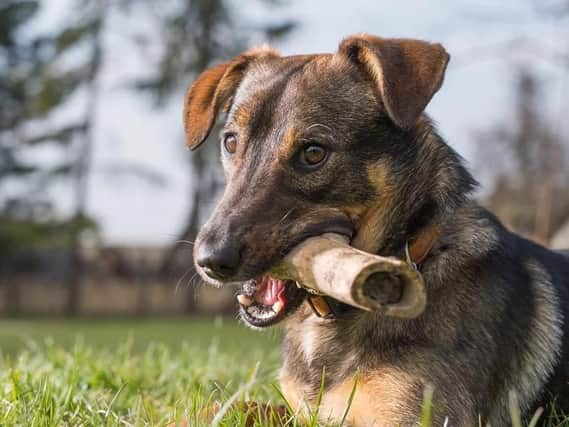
311	144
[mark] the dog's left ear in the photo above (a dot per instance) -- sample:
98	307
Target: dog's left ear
407	72
212	92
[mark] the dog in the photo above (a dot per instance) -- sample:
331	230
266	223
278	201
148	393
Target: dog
340	143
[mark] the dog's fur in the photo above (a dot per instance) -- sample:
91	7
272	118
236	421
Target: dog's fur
494	327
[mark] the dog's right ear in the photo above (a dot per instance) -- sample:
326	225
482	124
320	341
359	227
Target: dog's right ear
407	72
212	92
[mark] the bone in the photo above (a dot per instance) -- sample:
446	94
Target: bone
329	265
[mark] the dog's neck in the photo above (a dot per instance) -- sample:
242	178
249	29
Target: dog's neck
431	197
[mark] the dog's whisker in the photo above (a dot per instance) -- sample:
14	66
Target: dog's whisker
328	128
179	282
185	241
193	280
286	215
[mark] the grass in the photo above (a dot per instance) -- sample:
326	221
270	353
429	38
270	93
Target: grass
96	373
139	373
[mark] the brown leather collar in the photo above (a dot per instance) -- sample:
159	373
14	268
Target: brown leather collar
418	250
421	247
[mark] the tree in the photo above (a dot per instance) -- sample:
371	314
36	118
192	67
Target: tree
527	160
530	194
30	91
35	81
90	26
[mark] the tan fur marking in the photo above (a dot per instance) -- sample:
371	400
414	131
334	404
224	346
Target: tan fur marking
379	399
294	395
287	145
371	219
242	115
241	118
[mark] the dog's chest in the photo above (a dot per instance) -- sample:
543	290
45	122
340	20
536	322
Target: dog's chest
317	347
323	368
311	337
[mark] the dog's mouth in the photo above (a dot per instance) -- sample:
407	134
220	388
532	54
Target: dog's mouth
266	301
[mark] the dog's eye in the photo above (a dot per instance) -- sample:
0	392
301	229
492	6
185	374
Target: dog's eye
230	143
312	155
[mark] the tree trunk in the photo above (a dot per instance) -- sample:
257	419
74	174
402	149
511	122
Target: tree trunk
82	168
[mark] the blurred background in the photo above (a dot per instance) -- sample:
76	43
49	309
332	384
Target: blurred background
100	201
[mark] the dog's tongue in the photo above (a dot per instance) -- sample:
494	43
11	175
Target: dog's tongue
270	291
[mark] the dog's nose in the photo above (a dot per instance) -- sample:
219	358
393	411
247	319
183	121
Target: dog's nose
218	261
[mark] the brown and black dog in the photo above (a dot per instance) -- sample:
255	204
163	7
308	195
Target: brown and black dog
340	143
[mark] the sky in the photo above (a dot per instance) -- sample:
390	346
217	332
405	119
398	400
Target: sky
477	92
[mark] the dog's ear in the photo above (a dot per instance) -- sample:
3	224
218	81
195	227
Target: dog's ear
212	92
407	72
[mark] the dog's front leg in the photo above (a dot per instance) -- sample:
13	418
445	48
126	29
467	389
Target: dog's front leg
376	399
385	397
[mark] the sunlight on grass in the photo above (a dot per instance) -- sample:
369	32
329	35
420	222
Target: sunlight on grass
152	374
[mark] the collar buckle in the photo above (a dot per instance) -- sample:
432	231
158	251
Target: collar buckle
408	259
321	306
318	302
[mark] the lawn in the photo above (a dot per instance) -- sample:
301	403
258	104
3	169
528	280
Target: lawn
129	372
134	372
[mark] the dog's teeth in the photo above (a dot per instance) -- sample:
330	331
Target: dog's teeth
277	307
244	300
